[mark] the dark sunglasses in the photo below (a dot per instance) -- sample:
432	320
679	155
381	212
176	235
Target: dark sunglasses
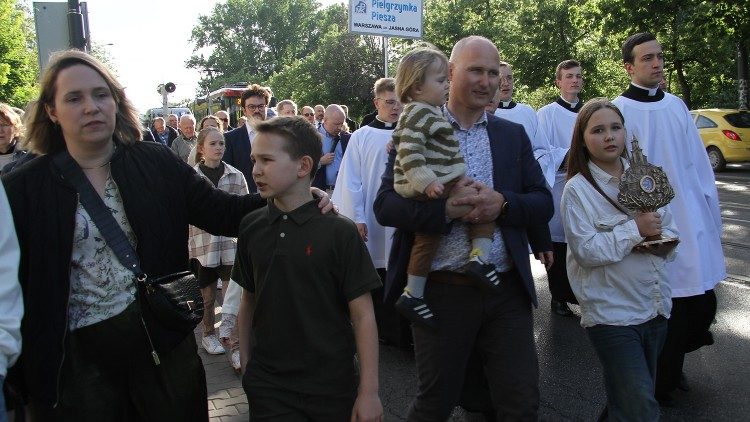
308	114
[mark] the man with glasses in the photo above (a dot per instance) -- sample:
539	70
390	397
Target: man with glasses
224	117
239	141
309	114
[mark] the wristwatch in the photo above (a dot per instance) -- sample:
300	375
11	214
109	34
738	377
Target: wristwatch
504	208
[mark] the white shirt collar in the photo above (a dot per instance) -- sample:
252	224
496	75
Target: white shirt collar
651	91
602	176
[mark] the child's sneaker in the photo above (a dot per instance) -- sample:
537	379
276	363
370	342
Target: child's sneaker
212	345
483	273
234	360
415	310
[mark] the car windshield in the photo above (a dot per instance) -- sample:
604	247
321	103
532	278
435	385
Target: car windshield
741	120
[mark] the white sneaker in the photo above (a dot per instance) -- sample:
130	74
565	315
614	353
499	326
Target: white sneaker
212	345
228	321
234	359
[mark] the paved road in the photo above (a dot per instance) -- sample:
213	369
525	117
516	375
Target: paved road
570	377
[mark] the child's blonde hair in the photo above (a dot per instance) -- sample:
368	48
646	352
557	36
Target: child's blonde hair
413	67
202	135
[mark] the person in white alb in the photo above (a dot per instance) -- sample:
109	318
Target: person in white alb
524	115
11	304
361	169
556	121
668	136
357	185
621	285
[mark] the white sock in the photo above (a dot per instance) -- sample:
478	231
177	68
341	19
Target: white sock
415	285
481	247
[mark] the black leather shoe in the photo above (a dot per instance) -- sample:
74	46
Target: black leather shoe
665	400
683	383
415	310
561	308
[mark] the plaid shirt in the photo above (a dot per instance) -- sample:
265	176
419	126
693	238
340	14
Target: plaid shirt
212	251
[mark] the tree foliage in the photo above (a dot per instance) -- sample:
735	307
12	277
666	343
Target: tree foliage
18	59
305	53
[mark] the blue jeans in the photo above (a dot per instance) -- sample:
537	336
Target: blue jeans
628	355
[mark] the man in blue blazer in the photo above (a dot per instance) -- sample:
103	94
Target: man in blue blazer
508	188
239	141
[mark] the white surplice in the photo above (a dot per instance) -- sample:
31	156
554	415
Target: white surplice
669	139
357	186
557	123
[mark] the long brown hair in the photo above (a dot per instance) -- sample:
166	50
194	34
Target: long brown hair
45	137
578	155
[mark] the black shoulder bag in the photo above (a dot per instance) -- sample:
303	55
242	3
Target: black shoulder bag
173	302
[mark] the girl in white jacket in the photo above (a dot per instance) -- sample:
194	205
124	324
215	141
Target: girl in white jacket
621	285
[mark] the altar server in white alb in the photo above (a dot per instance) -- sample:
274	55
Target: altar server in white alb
669	138
556	121
524	115
361	170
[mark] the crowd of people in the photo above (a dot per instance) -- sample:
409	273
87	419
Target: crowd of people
318	230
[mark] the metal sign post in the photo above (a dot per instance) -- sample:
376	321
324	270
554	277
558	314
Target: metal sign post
385	56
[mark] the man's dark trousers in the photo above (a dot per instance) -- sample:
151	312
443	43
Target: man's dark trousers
500	326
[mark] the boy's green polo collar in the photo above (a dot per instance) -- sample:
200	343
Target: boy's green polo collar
300	215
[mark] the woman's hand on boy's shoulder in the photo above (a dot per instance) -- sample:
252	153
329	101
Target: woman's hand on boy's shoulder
325	205
367	408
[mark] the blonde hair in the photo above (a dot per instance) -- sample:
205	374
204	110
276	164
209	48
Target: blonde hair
202	135
413	67
8	113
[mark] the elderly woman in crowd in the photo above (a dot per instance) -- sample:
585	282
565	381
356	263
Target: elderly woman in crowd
87	355
11	130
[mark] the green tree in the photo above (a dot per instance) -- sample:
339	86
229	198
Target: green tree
18	59
342	69
249	40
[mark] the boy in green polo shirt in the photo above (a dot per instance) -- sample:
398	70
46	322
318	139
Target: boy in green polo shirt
306	305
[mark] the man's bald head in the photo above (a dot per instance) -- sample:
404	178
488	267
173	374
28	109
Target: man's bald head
333	119
474	71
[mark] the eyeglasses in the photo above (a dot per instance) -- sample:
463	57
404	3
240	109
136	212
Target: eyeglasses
253	107
390	103
224	120
308	114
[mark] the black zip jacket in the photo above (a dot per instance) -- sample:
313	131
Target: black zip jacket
161	196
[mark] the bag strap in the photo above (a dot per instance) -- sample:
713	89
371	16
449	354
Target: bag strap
99	213
598	188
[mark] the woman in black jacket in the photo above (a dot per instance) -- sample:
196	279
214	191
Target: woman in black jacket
85	353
